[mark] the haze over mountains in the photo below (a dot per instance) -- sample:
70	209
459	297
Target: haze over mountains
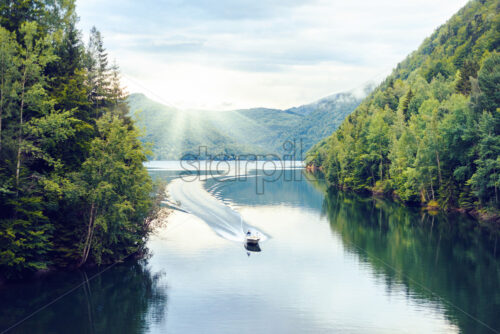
176	133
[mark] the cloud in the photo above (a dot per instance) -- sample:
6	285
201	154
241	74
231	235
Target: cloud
275	53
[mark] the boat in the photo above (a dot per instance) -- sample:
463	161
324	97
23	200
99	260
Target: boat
252	239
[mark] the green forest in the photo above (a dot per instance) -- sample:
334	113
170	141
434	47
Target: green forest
73	189
429	134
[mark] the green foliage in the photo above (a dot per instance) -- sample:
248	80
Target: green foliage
469	70
61	124
24	237
115	187
486	179
430	132
488	97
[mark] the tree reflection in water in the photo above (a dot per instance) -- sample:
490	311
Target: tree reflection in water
449	260
127	298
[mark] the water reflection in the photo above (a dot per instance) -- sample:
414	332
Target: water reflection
447	262
291	189
128	298
446	258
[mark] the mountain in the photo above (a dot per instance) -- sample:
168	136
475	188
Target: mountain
175	133
429	133
322	117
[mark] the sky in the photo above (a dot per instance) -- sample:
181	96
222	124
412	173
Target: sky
231	54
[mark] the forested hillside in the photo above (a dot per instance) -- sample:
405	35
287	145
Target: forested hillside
73	189
175	133
322	117
430	132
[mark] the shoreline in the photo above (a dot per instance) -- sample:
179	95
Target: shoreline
159	221
480	215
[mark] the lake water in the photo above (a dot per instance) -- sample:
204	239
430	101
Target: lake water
329	262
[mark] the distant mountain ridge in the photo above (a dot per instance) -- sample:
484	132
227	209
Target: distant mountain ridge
176	133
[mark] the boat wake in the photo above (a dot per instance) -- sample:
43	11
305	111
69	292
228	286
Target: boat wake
192	198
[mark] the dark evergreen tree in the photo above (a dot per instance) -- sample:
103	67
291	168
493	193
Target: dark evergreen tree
469	70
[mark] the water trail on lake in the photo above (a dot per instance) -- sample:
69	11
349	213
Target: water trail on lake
194	199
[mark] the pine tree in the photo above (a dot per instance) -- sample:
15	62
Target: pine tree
98	72
469	70
406	104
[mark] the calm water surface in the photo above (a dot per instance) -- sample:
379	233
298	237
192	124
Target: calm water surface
332	263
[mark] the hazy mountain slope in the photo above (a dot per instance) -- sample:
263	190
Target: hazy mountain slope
321	118
259	126
173	132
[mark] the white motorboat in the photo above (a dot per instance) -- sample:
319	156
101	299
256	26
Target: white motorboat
252	239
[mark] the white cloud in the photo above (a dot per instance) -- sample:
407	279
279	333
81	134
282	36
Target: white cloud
233	54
